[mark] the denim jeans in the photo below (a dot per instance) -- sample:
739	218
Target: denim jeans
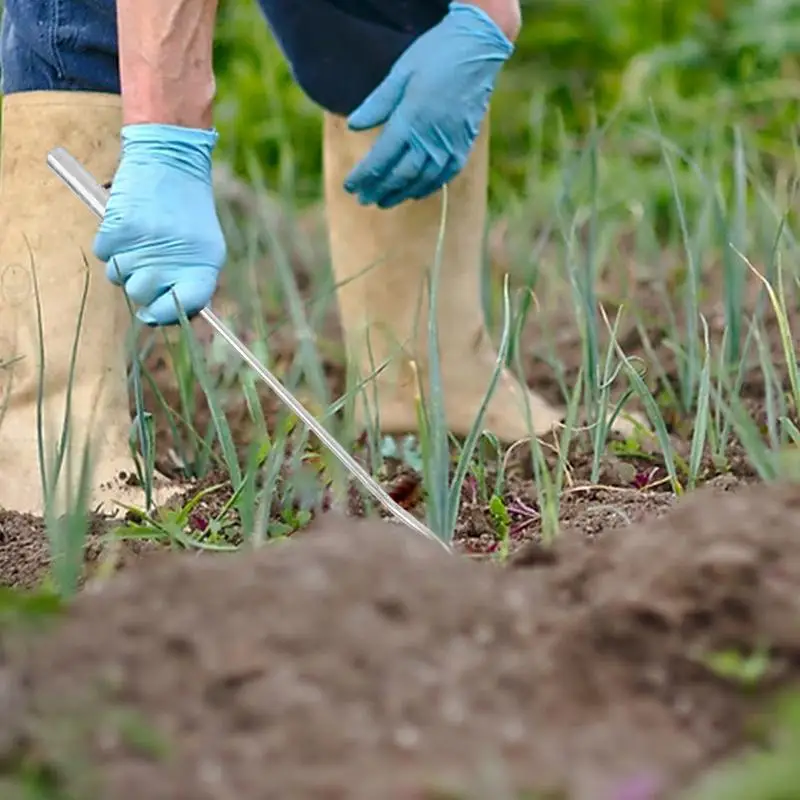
338	50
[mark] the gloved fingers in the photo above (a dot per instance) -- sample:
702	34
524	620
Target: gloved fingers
144	285
193	295
405	173
367	176
105	241
380	104
119	267
434	179
114	273
429	180
406	192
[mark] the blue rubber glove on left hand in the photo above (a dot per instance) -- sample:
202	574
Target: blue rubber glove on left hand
432	104
160	234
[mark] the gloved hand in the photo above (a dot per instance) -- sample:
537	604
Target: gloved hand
432	104
161	232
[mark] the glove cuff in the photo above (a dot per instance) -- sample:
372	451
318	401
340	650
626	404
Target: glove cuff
477	14
187	149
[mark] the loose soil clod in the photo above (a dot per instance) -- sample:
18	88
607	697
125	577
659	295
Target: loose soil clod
361	662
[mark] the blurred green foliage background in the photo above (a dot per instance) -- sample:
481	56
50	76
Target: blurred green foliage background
702	66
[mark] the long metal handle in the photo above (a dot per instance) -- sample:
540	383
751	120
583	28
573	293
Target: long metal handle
83	184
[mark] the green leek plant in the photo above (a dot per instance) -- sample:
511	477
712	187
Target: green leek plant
443	493
65	497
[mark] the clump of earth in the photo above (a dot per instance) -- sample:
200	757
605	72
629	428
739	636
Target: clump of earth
359	660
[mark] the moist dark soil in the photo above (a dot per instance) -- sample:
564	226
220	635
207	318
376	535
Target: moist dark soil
360	661
356	660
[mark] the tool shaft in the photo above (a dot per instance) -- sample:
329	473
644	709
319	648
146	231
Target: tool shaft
81	182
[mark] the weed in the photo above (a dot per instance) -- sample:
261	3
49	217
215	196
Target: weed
767	773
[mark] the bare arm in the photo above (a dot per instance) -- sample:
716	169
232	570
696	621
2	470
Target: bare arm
506	14
165	54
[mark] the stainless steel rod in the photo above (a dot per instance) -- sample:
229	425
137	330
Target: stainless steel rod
83	184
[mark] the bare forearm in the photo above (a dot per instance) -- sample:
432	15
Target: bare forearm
165	54
506	14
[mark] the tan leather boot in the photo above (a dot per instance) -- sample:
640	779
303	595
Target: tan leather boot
380	261
46	236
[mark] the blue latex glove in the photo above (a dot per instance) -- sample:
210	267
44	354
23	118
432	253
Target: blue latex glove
432	104
161	232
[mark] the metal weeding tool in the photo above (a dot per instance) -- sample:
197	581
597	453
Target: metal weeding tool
83	184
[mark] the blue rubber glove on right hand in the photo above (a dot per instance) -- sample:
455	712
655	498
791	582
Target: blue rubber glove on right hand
160	233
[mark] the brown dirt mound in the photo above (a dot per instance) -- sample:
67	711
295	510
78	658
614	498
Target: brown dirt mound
361	662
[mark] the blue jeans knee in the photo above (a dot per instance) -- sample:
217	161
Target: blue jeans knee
338	50
59	45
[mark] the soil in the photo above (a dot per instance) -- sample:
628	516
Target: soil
360	661
357	660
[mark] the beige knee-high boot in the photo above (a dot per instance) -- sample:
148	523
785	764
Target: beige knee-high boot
380	262
46	239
